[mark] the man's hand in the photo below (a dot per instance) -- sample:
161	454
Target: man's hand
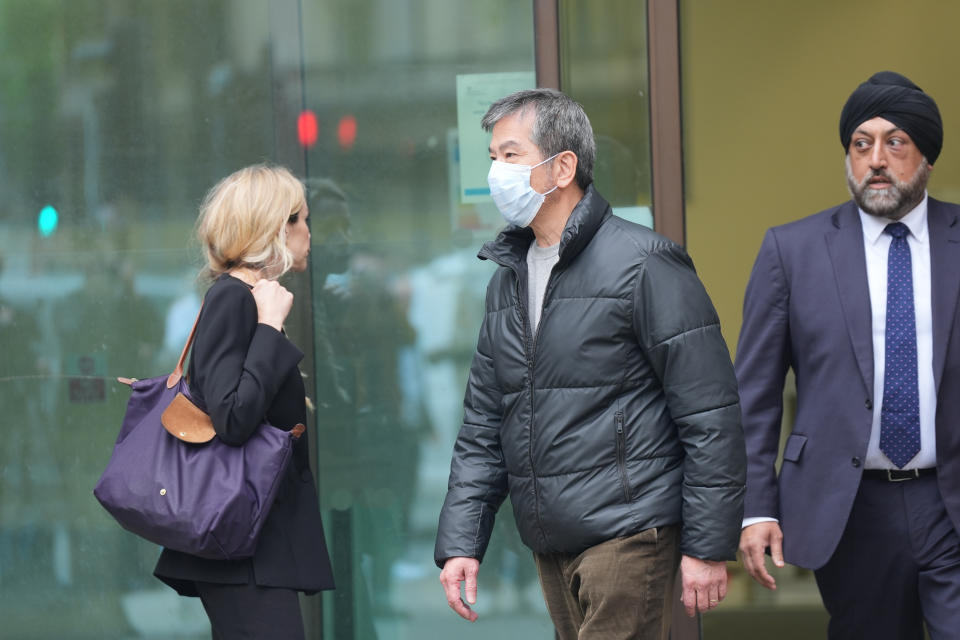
455	571
754	541
704	584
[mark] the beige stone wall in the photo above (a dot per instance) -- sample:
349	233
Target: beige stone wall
763	85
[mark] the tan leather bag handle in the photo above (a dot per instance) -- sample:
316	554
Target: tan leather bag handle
174	377
184	420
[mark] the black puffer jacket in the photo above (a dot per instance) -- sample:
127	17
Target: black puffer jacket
619	414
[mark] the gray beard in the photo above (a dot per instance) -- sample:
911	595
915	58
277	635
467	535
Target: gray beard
895	201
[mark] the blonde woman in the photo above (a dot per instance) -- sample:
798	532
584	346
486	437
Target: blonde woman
243	369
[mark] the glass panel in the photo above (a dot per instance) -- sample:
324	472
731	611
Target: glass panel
115	117
603	66
398	299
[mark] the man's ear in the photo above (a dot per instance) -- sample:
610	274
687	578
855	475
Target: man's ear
565	168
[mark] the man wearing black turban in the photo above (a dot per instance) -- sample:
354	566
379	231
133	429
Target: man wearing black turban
894	98
861	302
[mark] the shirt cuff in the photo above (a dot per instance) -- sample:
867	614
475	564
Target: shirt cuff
756	520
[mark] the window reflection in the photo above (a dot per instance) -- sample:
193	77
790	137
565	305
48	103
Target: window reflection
119	114
604	66
397	323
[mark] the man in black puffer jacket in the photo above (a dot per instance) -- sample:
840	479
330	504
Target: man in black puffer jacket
601	397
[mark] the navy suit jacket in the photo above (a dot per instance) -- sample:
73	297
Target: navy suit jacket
807	307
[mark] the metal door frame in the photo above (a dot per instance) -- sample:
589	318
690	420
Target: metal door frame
663	37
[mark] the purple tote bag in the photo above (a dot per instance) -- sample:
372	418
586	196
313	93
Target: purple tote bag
173	482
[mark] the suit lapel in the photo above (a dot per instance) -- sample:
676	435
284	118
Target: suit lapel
944	278
845	244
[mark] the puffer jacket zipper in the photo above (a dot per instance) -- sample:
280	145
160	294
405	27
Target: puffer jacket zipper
622	454
531	361
529	351
530	338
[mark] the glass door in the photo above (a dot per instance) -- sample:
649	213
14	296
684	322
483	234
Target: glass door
394	90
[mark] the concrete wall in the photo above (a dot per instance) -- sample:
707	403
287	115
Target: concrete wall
763	83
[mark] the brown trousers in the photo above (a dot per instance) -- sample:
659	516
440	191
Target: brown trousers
618	589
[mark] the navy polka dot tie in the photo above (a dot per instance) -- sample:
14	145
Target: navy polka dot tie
900	412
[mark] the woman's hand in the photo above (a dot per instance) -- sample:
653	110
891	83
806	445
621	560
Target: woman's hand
273	303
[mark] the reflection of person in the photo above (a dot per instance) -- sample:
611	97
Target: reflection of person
330	227
369	406
253	225
386	423
601	396
860	301
330	232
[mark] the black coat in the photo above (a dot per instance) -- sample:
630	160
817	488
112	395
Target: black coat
619	413
241	371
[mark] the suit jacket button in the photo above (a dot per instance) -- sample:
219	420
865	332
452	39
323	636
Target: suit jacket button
855	461
868	405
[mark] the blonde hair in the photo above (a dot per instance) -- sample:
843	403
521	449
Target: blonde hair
243	218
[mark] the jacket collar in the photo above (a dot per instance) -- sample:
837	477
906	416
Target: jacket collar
844	240
511	246
845	243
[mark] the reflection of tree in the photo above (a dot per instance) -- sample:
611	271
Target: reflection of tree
148	98
28	101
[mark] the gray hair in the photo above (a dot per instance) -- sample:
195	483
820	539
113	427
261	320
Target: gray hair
560	125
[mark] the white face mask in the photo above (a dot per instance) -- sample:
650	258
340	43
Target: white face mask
511	191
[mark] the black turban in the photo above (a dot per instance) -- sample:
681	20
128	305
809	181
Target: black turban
893	97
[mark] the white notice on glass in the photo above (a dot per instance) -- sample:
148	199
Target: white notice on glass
475	93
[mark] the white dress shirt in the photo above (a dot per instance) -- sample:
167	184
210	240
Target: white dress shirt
876	246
